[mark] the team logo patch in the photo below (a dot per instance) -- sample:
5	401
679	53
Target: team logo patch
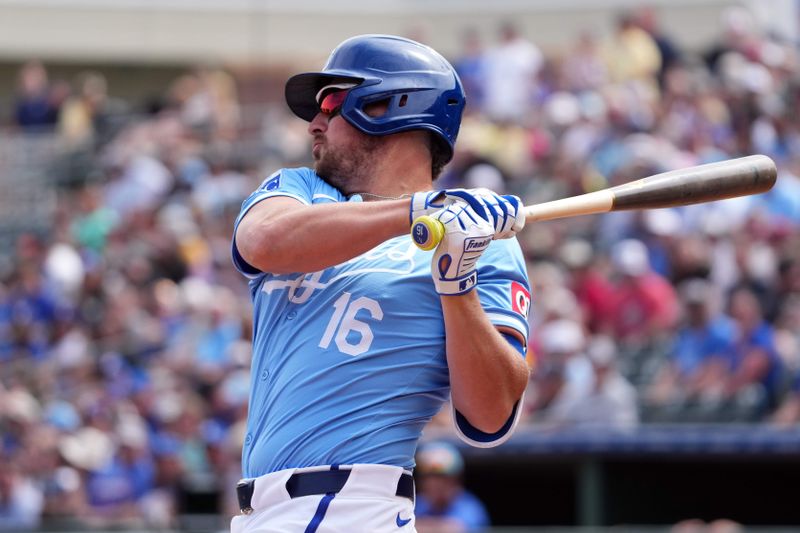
520	299
272	183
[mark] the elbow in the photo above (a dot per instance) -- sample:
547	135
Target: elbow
492	418
489	424
491	421
487	402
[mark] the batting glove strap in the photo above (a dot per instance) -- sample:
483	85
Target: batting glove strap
453	287
425	203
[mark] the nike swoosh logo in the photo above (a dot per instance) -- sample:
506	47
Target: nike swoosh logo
400	522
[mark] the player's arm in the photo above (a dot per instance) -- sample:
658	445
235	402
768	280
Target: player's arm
487	374
282	235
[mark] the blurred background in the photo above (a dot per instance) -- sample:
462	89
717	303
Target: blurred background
665	344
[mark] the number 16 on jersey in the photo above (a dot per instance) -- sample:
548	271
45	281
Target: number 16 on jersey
343	323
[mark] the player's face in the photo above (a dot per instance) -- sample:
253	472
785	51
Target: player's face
343	156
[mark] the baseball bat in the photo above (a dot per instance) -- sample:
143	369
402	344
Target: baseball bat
693	185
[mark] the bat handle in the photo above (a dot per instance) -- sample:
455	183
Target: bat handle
427	232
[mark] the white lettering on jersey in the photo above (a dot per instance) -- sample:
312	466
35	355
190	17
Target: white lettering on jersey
396	258
344	320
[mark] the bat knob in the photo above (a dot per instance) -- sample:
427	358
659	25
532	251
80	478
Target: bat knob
427	232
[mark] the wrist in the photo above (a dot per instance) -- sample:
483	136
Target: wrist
424	203
456	286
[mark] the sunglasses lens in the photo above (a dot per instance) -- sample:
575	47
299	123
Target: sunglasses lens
332	102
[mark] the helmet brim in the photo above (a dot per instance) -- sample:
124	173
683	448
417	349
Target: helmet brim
301	91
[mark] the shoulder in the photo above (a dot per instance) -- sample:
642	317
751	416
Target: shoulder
280	176
301	183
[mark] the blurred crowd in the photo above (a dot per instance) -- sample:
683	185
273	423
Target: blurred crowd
672	315
124	329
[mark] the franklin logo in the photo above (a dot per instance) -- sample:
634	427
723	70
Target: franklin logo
477	244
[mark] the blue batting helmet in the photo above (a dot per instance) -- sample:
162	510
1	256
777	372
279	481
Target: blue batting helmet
422	88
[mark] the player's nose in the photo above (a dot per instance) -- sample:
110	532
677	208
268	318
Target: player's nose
319	124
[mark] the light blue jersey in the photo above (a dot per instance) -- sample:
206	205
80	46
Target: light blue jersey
349	362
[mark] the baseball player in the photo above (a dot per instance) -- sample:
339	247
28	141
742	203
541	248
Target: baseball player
360	336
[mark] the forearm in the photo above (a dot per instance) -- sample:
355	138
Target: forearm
487	374
310	238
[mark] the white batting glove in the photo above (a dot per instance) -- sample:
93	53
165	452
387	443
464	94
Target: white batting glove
467	234
425	203
504	211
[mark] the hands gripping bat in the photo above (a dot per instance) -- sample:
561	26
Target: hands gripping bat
702	183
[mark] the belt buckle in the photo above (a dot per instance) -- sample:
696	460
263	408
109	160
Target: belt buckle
244	492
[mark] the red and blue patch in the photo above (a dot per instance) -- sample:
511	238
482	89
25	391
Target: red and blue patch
520	299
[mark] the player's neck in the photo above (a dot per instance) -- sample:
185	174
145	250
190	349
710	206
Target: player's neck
399	174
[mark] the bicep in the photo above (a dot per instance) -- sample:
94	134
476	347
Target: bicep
252	231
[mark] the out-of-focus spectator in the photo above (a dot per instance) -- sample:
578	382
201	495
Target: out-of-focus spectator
704	336
88	116
584	68
559	363
94	220
511	70
588	281
644	305
739	36
443	505
646	18
21	500
631	54
34	108
31	309
751	371
89	451
606	399
207	102
65	499
471	66
788	412
222	187
116	487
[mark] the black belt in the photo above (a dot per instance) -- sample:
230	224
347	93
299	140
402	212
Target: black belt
310	483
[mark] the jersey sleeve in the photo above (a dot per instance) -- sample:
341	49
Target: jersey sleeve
285	182
504	291
503	286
